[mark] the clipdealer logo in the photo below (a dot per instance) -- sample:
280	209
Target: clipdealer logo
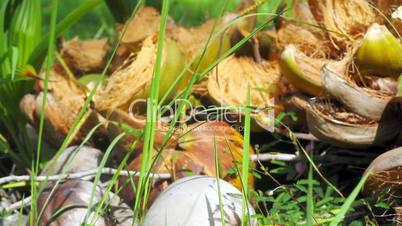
234	115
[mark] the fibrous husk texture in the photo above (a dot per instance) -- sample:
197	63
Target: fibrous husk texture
133	79
63	102
192	40
144	24
325	28
346	20
85	55
386	175
229	82
311	43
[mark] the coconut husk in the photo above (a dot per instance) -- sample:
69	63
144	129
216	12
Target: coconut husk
132	81
358	96
63	102
388	6
345	20
303	31
192	41
65	205
195	155
397	19
144	24
229	81
313	44
84	56
302	71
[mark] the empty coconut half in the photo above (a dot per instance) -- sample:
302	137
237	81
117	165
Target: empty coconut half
64	100
363	100
385	175
329	121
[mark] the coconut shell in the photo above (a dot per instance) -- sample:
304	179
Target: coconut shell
132	81
72	198
386	174
302	71
332	123
84	56
229	81
370	104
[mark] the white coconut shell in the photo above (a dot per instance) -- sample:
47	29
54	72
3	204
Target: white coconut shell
195	201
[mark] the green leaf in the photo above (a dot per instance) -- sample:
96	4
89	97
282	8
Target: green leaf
349	200
39	53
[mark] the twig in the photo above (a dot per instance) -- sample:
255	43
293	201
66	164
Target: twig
300	136
89	173
17	205
275	156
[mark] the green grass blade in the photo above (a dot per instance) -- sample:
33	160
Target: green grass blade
73	17
99	174
310	197
246	161
152	109
349	200
49	63
218	176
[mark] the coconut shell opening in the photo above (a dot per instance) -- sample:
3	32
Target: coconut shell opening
386	175
331	122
